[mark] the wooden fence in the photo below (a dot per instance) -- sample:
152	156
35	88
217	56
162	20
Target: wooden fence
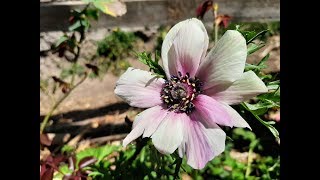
54	15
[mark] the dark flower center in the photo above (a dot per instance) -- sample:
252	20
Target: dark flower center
179	92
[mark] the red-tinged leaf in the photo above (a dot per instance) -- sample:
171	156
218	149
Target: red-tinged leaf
72	178
94	68
87	161
71	19
203	8
58	159
65	87
223	20
44	140
47	174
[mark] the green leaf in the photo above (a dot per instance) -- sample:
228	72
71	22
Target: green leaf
257	35
67	149
272	129
111	7
99	153
95	174
85	23
273	85
254	68
264	59
272	96
65	169
92	13
264	103
61	40
253	48
75	25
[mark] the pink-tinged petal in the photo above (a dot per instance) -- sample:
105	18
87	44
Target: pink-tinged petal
201	145
139	88
145	123
211	112
155	120
184	47
237	120
225	63
169	134
246	87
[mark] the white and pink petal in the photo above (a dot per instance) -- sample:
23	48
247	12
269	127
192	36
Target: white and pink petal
225	63
184	47
211	112
246	87
169	134
139	88
146	123
201	144
236	118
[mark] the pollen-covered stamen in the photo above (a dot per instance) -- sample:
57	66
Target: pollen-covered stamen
179	92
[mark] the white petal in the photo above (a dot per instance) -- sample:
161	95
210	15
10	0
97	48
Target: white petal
145	122
184	47
225	62
246	87
169	135
139	88
237	120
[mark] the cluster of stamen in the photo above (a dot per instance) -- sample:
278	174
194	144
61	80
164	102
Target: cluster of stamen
179	92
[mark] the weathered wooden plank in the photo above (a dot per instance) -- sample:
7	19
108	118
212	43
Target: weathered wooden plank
54	16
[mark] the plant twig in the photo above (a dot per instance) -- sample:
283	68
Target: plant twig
45	120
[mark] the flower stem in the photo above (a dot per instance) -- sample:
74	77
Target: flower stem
216	25
54	107
216	29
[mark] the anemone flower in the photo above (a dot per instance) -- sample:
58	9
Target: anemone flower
186	109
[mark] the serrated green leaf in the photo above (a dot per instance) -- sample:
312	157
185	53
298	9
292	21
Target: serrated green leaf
146	59
272	129
264	103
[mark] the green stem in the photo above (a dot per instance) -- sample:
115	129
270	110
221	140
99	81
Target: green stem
45	120
45	91
177	169
248	170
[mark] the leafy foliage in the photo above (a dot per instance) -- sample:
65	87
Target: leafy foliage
154	66
117	45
